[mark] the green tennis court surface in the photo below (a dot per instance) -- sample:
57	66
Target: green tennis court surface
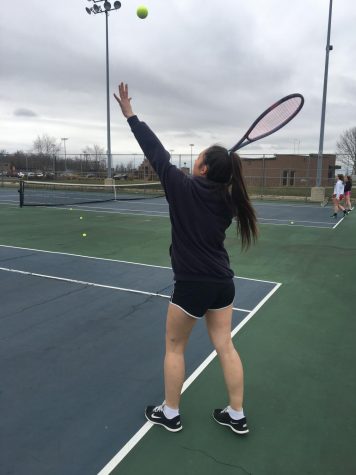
66	320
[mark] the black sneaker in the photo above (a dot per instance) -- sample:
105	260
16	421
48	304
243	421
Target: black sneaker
223	417
334	216
156	415
345	212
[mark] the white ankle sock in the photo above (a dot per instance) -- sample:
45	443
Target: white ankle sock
169	412
235	414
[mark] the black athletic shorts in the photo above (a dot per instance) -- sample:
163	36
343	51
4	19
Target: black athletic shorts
196	297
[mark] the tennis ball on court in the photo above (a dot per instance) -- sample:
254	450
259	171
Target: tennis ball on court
84	234
81	217
142	12
292	222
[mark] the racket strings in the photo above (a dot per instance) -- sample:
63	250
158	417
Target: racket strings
275	118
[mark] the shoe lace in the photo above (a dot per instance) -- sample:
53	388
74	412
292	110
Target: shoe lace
158	408
224	410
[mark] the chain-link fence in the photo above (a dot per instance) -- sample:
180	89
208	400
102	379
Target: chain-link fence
266	175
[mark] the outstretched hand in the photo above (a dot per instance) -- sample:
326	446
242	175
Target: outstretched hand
124	100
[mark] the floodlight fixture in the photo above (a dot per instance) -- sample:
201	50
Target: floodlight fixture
117	5
96	8
88	10
107	6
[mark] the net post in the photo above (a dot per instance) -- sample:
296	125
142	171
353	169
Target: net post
317	194
111	182
21	192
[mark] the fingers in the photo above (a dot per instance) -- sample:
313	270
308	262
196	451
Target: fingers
123	91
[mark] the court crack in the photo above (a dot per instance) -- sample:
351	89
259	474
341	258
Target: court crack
219	462
15	258
135	307
52	299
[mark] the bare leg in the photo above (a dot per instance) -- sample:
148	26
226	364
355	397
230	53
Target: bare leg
341	208
178	328
347	202
219	328
335	204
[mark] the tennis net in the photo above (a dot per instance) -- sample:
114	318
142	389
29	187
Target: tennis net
38	193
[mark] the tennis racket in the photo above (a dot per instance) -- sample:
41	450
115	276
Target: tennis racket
272	119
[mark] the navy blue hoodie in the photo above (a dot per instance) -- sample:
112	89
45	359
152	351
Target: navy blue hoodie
198	210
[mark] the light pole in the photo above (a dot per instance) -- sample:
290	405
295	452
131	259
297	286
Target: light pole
322	125
95	9
191	145
65	152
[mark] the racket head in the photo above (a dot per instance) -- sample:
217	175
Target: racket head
272	119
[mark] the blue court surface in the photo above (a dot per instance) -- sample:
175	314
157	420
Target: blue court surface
82	346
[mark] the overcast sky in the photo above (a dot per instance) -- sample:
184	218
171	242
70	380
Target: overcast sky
199	71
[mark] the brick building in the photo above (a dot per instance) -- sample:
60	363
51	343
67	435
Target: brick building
284	170
288	170
146	172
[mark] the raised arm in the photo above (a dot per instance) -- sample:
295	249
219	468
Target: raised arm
171	178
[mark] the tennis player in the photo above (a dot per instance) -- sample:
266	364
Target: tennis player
201	209
347	193
338	196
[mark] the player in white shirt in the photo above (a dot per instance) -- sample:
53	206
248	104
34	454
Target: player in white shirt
338	196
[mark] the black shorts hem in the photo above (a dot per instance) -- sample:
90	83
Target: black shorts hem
195	298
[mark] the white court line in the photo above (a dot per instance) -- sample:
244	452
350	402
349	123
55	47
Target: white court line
114	462
143	202
81	282
83	257
94	284
337	224
288	220
295	225
281	205
101	210
114	260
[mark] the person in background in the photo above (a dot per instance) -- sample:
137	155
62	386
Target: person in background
347	193
338	196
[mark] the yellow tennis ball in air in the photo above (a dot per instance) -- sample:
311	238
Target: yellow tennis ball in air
81	217
142	12
292	222
84	234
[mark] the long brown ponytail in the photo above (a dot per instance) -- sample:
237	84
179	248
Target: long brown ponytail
242	207
225	167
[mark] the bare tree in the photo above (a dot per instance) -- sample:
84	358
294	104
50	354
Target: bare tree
346	150
95	155
95	151
45	145
130	166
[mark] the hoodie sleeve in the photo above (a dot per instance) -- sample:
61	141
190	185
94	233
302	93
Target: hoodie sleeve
173	180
